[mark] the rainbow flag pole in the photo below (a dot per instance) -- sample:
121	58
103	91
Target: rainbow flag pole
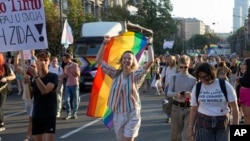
97	107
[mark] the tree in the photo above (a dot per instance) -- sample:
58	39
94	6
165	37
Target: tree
76	17
115	13
239	41
154	15
52	16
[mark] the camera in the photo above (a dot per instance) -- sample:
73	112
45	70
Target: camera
182	93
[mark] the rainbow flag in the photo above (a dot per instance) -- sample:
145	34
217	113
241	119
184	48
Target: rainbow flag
101	85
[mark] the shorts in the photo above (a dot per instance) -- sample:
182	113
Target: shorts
43	125
127	124
244	96
28	104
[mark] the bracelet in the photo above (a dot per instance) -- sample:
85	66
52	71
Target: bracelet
190	126
36	77
149	44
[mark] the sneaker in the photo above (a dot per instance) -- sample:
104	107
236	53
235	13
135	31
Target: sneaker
68	117
2	128
58	114
75	117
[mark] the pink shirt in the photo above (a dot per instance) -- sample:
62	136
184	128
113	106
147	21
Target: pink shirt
71	70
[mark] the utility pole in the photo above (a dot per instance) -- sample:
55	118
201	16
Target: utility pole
193	42
61	18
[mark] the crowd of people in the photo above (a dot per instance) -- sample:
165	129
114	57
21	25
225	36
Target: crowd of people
44	82
207	93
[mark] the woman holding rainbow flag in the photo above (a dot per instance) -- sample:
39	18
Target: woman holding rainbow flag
124	98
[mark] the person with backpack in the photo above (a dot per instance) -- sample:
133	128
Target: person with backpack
209	112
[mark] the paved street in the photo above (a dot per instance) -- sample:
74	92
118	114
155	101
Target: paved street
86	128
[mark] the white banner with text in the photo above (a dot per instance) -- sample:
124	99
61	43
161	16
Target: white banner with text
22	25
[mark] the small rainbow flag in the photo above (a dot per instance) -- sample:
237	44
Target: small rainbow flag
101	86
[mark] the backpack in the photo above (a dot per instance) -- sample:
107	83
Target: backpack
222	86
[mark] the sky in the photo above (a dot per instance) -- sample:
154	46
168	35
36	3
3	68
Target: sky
219	12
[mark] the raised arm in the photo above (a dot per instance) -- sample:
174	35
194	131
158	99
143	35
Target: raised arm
101	51
17	63
147	66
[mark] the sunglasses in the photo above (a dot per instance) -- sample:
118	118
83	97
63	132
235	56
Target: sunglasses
185	67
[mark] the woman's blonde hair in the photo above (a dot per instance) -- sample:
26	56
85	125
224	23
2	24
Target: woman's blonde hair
135	63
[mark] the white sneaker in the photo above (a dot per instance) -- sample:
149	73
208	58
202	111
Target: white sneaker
68	117
2	128
58	114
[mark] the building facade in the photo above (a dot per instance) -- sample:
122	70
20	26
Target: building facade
240	13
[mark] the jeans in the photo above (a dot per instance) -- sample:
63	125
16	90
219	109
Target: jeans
166	92
59	99
204	134
72	94
179	123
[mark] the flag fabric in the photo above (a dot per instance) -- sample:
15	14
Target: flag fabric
101	85
67	36
108	118
168	44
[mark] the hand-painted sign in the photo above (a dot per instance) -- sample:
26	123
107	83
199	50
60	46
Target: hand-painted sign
22	25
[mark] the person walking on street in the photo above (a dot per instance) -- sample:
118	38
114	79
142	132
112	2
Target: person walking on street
124	98
244	91
72	75
156	84
167	73
43	88
55	68
6	75
28	100
180	90
210	113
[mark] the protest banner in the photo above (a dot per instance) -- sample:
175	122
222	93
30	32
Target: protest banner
22	25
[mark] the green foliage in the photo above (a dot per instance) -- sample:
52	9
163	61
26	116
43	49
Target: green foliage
156	16
116	13
76	17
239	41
52	15
151	14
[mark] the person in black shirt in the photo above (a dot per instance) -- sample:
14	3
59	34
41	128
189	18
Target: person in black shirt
43	88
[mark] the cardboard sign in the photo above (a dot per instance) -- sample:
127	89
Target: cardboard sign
22	25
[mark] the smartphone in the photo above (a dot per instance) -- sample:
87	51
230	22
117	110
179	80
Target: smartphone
32	65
